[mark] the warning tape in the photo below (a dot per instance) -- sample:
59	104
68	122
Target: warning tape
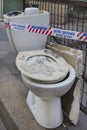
68	34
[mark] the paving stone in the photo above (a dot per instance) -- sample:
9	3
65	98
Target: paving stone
2	127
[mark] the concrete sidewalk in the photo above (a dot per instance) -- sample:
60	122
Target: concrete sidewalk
13	109
2	127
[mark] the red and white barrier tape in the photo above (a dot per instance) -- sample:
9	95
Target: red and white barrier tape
68	34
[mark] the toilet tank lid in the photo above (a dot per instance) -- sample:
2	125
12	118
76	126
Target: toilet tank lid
42	66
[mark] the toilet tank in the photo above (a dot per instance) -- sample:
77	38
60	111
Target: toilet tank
23	40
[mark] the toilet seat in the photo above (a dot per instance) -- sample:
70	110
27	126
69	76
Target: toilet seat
42	66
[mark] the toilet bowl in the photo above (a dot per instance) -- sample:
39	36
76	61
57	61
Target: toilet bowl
23	40
48	77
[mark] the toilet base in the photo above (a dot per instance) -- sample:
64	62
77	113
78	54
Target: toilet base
47	112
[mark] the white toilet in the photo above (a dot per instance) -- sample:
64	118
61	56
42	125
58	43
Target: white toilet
47	75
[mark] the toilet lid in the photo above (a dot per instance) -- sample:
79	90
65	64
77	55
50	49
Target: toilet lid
42	66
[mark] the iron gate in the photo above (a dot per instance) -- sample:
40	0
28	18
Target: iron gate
68	15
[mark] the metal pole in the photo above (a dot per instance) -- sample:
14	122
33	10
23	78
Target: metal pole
23	5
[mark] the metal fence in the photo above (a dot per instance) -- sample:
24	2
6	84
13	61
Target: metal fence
68	15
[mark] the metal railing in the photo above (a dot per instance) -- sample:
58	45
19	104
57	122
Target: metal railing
68	15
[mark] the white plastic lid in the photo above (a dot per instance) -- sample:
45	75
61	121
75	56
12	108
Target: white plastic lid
43	66
31	11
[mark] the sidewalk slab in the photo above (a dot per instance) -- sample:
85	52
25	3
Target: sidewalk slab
2	127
